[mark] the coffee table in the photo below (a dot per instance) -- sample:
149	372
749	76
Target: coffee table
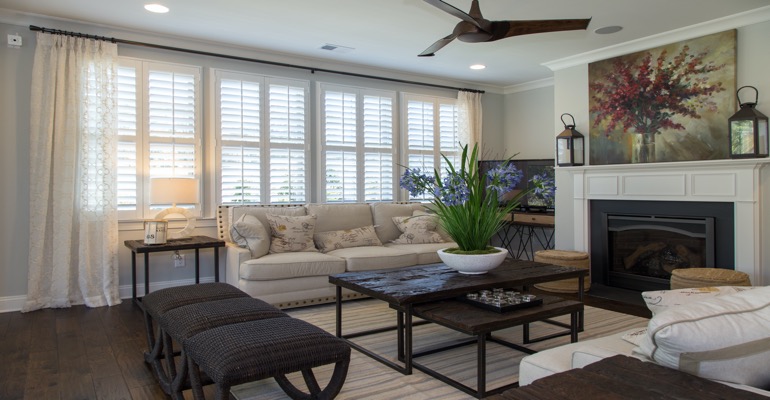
405	288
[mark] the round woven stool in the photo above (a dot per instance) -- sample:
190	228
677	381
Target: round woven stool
705	277
564	258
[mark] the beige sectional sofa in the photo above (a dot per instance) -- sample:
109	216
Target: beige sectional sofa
297	278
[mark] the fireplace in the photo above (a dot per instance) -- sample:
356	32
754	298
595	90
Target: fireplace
636	244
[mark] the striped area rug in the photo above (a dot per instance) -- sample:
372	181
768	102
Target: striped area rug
369	379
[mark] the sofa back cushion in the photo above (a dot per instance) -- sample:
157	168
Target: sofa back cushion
725	338
336	217
383	214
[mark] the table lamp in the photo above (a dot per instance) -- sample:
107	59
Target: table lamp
175	191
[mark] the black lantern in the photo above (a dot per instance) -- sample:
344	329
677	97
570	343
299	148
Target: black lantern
569	145
748	130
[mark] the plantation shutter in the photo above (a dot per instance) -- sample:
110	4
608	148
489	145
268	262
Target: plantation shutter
288	131
128	117
356	144
240	129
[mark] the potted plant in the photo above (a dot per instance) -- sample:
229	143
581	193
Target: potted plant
467	204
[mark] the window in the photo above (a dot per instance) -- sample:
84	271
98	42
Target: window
431	130
356	144
261	127
158	131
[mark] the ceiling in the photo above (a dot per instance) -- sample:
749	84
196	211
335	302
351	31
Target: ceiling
388	34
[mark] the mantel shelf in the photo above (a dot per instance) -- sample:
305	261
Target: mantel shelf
725	163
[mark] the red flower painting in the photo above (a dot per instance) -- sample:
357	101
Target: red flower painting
648	95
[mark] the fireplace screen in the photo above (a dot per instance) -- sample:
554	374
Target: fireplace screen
644	250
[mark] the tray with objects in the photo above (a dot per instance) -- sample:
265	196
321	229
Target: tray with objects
501	300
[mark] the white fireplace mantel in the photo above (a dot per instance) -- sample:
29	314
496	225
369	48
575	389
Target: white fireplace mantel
745	183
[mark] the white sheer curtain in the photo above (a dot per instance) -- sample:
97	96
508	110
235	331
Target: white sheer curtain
469	117
73	242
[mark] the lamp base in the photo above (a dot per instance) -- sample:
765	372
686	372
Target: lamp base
187	231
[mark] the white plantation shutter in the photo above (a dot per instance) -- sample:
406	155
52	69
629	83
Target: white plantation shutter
158	130
357	151
261	137
431	130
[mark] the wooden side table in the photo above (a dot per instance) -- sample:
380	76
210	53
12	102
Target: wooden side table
194	242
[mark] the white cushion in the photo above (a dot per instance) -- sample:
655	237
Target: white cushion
335	217
374	257
426	252
383	213
723	338
249	232
291	265
291	234
661	300
342	239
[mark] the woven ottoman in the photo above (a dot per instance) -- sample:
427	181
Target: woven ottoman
565	258
705	277
249	351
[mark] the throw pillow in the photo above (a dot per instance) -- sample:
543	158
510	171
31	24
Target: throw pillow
440	229
248	231
333	240
417	229
635	337
724	338
661	300
291	234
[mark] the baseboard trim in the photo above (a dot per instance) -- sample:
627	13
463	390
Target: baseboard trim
15	303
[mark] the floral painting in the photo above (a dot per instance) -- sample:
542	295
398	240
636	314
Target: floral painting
670	103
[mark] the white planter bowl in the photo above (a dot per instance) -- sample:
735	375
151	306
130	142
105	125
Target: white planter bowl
473	264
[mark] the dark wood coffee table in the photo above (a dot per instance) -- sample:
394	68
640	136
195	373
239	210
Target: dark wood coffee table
470	320
405	288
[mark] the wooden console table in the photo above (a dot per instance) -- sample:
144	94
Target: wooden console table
194	242
525	229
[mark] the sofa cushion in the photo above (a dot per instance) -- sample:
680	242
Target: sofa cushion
335	217
237	212
374	257
426	252
383	213
291	265
249	232
291	234
357	237
661	300
417	230
724	338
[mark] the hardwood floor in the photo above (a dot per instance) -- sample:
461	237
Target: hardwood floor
96	353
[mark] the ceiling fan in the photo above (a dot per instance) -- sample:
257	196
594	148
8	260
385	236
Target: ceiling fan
475	29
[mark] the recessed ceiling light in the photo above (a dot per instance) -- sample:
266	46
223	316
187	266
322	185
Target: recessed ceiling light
478	66
156	8
606	30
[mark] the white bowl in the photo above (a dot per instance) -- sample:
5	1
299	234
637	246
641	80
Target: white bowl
473	264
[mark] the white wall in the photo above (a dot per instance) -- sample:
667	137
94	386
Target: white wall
528	128
571	92
16	73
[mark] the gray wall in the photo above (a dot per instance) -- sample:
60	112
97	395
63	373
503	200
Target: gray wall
16	71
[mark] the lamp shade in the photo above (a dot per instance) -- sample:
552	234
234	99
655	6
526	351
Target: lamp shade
173	191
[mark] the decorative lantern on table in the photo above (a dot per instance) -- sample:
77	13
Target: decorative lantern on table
748	130
569	145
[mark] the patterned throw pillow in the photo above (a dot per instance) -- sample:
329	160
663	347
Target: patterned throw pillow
291	234
333	240
661	300
417	229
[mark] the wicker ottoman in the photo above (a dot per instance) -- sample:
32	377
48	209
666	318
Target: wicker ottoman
249	351
564	258
704	277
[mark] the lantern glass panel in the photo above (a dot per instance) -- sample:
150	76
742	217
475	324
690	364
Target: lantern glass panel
563	155
762	124
742	136
577	145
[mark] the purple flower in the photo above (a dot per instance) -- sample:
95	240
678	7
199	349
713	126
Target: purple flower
544	187
454	190
503	178
416	182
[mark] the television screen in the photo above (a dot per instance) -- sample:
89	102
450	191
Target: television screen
529	168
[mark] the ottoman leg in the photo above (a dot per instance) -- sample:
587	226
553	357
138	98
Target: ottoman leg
331	390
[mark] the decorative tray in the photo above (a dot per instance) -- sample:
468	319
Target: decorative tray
504	305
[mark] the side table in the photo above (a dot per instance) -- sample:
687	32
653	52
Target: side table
194	242
527	227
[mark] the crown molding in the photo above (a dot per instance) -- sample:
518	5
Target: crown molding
705	28
523	87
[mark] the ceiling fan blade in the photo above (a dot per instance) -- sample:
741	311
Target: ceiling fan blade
504	29
448	8
432	49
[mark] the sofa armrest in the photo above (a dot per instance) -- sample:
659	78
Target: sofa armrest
235	257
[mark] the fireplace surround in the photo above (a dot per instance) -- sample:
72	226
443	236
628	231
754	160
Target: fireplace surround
744	184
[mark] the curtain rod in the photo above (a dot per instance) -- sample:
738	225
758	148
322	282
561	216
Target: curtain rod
231	57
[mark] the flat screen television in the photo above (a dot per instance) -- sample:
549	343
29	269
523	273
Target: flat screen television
529	169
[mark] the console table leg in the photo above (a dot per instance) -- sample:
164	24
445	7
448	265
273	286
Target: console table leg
216	264
133	276
146	273
197	267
